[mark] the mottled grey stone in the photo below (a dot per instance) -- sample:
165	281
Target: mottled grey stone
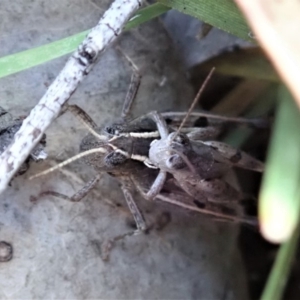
56	243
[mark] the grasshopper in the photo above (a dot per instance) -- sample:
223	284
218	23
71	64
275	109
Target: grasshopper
122	150
197	166
123	156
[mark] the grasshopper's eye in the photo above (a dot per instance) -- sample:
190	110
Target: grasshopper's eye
175	162
182	139
109	130
113	130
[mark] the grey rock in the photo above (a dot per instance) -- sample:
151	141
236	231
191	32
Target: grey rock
57	244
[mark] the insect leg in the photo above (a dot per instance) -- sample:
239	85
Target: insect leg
161	177
78	196
131	93
82	115
160	123
107	246
155	189
156	186
133	87
87	121
137	215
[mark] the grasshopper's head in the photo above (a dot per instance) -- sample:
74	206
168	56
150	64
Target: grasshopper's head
97	151
111	154
114	129
91	142
170	153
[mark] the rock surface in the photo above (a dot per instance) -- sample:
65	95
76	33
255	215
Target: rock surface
57	244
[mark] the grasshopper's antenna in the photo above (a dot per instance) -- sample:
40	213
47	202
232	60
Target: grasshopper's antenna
194	102
68	161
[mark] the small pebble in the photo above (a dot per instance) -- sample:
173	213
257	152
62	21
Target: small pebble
6	252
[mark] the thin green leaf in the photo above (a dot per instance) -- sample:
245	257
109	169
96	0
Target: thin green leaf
279	202
14	63
222	14
146	14
281	269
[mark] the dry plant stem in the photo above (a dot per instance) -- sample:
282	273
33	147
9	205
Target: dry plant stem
76	68
276	25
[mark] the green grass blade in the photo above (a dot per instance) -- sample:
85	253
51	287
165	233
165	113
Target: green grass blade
222	14
146	14
14	63
281	269
279	202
